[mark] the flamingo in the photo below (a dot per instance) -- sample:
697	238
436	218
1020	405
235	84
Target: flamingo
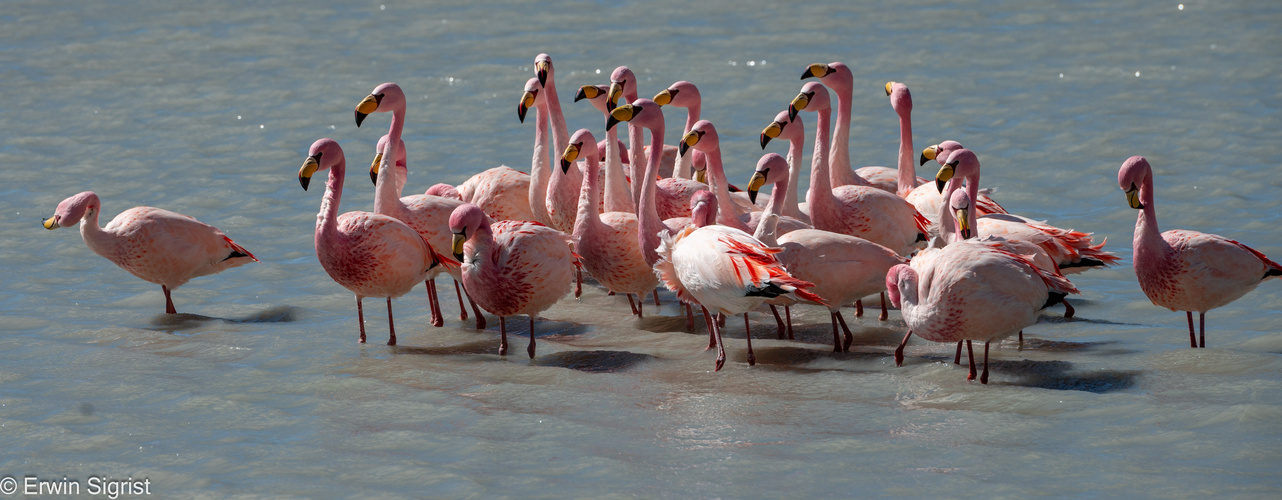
607	242
617	192
682	94
511	267
554	193
623	84
869	213
725	270
735	208
427	214
796	140
843	268
971	290
931	202
370	254
1184	270
156	245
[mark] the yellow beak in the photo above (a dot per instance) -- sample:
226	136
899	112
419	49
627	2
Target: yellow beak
888	86
1133	198
772	131
305	173
368	105
373	168
701	176
457	246
927	155
663	98
51	223
754	184
945	173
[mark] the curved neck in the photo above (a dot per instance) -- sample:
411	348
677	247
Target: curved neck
560	135
589	200
90	231
682	170
1148	238
618	196
387	192
327	219
907	172
539	175
727	212
840	171
648	222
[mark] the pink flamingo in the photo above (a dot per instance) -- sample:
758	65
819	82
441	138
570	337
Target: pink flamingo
156	245
617	193
728	271
796	140
930	200
869	213
555	192
607	242
971	290
371	254
1185	270
427	214
682	94
623	84
512	267
731	212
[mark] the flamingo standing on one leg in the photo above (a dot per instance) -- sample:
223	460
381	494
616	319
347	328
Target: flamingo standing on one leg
156	245
373	255
512	267
1185	270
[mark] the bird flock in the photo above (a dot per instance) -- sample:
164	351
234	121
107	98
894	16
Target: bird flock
635	216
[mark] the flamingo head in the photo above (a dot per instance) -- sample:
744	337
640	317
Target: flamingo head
378	157
323	154
961	163
596	95
780	128
531	97
699	162
681	94
939	152
703	208
702	136
384	98
582	144
72	209
622	85
900	277
959	203
768	162
813	97
1135	174
901	100
543	68
641	112
466	220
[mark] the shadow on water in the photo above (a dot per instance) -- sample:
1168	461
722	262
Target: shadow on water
1054	375
488	346
593	361
1046	318
174	323
808	360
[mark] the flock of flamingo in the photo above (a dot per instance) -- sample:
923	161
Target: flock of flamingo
956	263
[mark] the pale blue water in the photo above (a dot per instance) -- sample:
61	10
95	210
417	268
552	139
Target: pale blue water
207	108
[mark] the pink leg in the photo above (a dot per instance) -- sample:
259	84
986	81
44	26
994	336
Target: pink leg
712	332
502	336
774	310
433	304
610	293
1192	335
1201	319
462	309
983	379
169	301
747	334
1068	309
656	297
899	351
530	349
689	318
859	308
716	339
632	304
957	358
970	352
845	346
836	336
360	317
391	325
885	315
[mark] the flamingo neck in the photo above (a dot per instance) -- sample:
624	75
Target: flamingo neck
727	213
387	192
907	172
636	159
682	170
618	196
90	231
560	134
1149	246
589	200
327	219
539	175
790	205
840	170
484	249
823	205
648	222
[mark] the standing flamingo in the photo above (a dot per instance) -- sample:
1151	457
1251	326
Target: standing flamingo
607	242
796	140
156	245
930	200
1185	270
623	84
373	255
971	290
556	193
682	94
511	267
617	193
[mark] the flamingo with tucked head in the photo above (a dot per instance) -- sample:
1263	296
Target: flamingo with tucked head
1184	270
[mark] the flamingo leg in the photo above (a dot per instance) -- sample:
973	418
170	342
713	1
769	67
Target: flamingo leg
502	336
957	357
433	303
1068	309
774	310
360	317
530	349
480	318
656	297
970	353
578	280
712	333
1192	335
169	301
884	313
747	334
716	339
859	308
1201	319
983	379
787	313
836	337
899	351
391	325
689	318
632	304
1021	339
462	309
845	346
641	306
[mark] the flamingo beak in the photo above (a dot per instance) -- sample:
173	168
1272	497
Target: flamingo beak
798	104
888	86
624	113
945	173
612	97
664	98
587	92
541	71
688	142
51	223
772	131
310	165
527	102
571	154
927	155
368	105
816	70
1133	197
373	168
963	224
701	176
754	184
457	246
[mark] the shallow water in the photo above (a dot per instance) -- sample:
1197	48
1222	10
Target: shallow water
260	388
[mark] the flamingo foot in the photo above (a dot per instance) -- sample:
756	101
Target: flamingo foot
859	308
970	352
850	339
899	351
884	313
169	301
632	304
983	379
433	304
1068	309
391	325
530	348
836	336
462	309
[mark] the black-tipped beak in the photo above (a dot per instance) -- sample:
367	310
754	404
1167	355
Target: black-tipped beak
1133	198
520	111
923	161
360	117
542	72
367	105
50	223
940	185
682	148
610	122
765	139
580	95
310	165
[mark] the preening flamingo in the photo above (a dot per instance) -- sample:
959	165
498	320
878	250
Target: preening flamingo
607	242
1185	270
371	254
971	290
156	245
511	267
